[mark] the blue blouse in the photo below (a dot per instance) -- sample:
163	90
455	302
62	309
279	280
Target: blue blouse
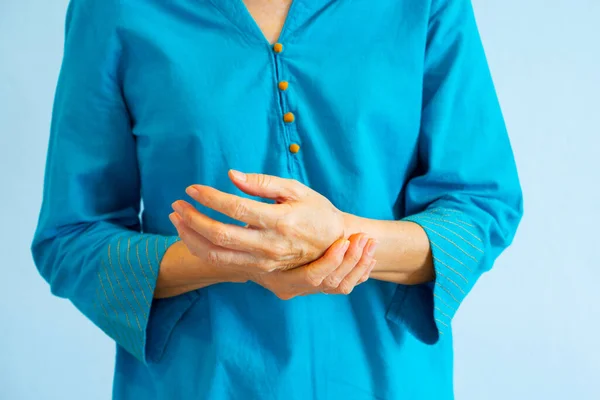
386	108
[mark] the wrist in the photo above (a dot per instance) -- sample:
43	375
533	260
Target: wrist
213	274
180	267
351	224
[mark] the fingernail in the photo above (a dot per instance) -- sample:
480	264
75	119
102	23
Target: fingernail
372	247
240	176
192	191
345	246
363	241
174	218
177	207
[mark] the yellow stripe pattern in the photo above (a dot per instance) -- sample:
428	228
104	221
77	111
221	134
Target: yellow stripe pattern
458	248
125	287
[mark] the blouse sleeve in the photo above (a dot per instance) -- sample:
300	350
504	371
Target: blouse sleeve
88	243
466	194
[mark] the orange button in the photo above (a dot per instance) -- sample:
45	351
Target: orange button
294	148
283	85
288	117
277	47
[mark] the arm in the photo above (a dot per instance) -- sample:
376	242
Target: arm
464	201
88	244
397	240
181	272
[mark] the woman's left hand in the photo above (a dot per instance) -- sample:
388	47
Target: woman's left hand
345	265
295	231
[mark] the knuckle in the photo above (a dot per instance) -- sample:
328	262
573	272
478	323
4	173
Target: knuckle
240	210
345	288
275	251
221	237
312	280
263	180
213	257
332	282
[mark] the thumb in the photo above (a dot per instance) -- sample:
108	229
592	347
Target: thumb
266	186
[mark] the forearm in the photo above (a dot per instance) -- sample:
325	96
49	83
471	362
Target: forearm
182	272
403	253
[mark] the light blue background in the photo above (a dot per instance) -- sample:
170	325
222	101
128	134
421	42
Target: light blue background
529	329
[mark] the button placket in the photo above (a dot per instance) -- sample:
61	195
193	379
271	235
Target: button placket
288	116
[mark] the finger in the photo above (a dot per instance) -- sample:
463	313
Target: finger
239	208
188	235
267	186
200	247
354	278
230	236
367	274
353	256
351	279
312	275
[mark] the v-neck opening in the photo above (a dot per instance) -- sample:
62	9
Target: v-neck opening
242	18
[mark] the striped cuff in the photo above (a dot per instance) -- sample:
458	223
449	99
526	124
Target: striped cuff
457	251
127	277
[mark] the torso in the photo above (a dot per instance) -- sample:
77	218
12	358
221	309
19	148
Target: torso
202	88
269	15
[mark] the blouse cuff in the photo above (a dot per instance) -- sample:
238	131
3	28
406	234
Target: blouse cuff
457	250
126	282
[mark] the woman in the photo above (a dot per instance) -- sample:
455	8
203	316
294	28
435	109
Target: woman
358	132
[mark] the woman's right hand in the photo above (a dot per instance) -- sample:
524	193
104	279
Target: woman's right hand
346	264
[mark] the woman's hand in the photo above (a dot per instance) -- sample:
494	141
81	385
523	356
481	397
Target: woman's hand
295	231
346	264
